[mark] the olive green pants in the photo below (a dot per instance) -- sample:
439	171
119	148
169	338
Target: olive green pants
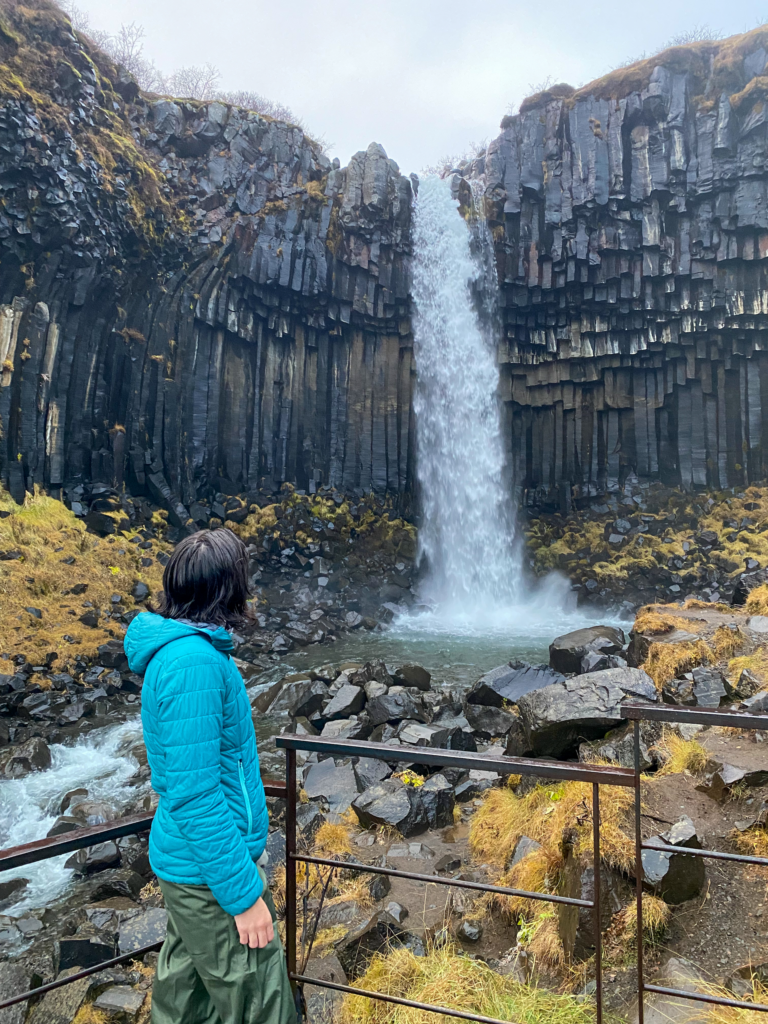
206	976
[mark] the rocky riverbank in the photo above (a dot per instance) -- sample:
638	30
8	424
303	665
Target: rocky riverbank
480	825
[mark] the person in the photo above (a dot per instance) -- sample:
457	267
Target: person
222	961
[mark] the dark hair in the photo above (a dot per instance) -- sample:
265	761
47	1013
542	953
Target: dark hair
206	580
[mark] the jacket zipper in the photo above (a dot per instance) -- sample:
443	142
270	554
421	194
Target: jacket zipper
241	772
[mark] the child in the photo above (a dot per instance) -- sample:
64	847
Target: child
222	962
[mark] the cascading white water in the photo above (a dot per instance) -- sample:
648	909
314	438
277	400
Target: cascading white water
103	762
467	530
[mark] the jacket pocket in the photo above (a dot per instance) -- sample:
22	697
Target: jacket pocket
246	798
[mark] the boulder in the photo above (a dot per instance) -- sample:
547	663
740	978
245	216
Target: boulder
413	675
721	778
120	1001
10	891
87	951
437	799
418	734
370	672
358	727
396	911
566	652
94	858
409	851
469	931
523	847
309	818
709	687
15	979
618	746
347	701
62	1005
358	948
510	682
142	928
375	689
394	707
489	722
335	785
558	717
673	876
300	698
32	756
391	803
369	771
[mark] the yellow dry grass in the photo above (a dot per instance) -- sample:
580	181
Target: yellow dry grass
656	917
732	1015
48	535
757	602
694	604
332	840
546	814
754	843
681	755
726	642
666	662
756	663
326	938
445	977
88	1014
651	621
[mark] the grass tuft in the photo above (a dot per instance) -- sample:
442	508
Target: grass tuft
652	622
681	755
332	840
656	917
666	662
445	977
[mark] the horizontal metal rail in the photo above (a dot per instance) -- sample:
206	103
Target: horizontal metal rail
398	1000
639	711
740	858
605	775
459	883
703	997
80	838
85	973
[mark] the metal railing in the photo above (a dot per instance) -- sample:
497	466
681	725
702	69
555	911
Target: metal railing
637	712
596	775
79	839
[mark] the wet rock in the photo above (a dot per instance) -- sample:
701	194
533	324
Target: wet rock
418	734
437	798
567	651
369	771
15	978
375	689
142	928
120	1001
64	823
510	682
74	951
112	655
347	701
556	718
10	891
32	756
336	785
489	722
391	803
93	812
300	698
413	675
94	858
358	727
673	876
117	882
62	1005
358	948
394	707
372	671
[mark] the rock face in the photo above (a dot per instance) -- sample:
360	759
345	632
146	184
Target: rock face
631	230
195	299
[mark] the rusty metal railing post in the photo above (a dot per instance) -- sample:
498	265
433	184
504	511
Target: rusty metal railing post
596	902
639	877
290	873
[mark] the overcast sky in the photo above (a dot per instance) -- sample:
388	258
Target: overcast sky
423	77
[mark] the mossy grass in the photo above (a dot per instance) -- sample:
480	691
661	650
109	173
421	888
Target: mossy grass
654	621
57	554
447	977
681	755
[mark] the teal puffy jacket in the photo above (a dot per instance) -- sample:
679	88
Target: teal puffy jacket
211	822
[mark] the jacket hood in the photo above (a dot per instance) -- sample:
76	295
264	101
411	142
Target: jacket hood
149	632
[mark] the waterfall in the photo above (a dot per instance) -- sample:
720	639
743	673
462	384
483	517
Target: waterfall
467	534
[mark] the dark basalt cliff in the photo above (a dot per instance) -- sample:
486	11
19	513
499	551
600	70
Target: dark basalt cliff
195	299
631	227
